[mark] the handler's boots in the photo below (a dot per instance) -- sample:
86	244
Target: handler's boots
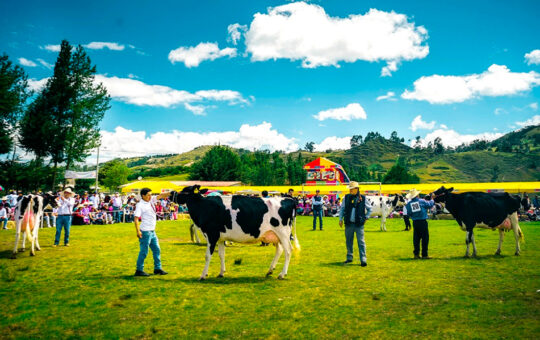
141	273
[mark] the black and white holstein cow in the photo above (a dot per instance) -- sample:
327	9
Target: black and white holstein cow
27	216
383	206
485	210
241	219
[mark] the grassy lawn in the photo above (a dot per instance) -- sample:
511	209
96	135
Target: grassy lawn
88	291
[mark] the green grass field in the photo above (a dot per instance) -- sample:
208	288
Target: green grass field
88	291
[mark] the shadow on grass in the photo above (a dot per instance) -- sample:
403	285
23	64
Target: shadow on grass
7	254
189	244
457	258
229	280
339	264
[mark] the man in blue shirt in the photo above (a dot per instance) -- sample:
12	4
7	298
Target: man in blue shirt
355	211
417	211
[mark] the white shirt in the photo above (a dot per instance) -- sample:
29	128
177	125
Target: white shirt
117	202
12	200
147	212
3	213
65	205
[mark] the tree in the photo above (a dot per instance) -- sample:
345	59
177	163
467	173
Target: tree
399	174
310	146
113	174
220	163
356	140
13	95
495	172
438	147
395	138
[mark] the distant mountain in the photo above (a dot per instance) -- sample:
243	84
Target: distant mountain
512	157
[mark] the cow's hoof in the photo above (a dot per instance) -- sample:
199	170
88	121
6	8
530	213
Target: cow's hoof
38	249
269	273
32	253
202	278
13	255
466	256
517	253
498	253
23	250
475	256
281	277
220	276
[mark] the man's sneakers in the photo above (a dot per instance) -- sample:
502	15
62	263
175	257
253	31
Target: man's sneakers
160	272
141	273
347	262
426	258
416	257
363	264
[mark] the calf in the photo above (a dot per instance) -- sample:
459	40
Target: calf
241	219
27	217
485	210
383	206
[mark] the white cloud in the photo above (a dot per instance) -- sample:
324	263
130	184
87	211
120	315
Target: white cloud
26	62
533	106
136	92
193	56
45	64
535	120
51	48
235	32
419	124
533	57
334	143
99	45
498	80
198	110
451	138
36	85
499	111
443	126
126	143
351	111
301	31
388	96
390	67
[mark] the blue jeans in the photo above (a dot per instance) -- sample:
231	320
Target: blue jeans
350	230
5	222
315	214
65	222
116	215
149	238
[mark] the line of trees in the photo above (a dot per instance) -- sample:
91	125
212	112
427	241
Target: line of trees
57	125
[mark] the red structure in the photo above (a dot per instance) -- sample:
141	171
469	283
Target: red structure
323	171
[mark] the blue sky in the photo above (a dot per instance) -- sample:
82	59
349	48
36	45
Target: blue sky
468	68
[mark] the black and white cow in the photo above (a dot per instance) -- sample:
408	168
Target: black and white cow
486	210
383	206
241	219
27	217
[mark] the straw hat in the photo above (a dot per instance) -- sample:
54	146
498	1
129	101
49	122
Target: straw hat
353	185
68	190
412	194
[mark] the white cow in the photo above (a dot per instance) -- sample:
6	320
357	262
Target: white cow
27	216
383	206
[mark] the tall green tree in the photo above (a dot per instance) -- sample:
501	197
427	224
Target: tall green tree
399	174
113	174
220	163
13	94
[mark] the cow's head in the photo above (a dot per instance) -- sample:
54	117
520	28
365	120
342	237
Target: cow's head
49	199
181	197
441	194
398	201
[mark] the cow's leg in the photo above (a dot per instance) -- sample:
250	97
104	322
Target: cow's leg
383	221
473	244
279	251
211	246
17	237
33	242
36	239
221	251
518	234
287	248
24	241
501	237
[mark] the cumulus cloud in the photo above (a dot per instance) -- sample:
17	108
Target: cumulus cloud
51	48
451	138
123	142
301	31
533	57
235	32
349	112
533	106
334	143
26	62
419	124
193	56
133	91
497	81
388	96
99	45
535	120
36	85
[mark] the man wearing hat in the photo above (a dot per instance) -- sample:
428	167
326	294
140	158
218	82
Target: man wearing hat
317	207
355	211
417	211
66	202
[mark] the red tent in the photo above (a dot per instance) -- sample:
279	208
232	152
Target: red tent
323	171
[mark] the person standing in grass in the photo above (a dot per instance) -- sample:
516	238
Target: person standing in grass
355	210
417	211
146	231
317	207
66	202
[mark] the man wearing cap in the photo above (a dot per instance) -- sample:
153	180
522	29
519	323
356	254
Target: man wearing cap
417	211
317	207
65	208
355	211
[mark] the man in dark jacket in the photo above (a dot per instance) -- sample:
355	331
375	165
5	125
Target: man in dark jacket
355	211
417	209
317	207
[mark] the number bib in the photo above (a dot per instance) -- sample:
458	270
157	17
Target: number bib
415	207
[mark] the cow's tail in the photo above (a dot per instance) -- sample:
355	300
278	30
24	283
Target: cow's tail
296	244
28	221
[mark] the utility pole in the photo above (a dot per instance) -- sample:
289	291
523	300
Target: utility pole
97	170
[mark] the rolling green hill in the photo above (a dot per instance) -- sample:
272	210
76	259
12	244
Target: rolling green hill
513	157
